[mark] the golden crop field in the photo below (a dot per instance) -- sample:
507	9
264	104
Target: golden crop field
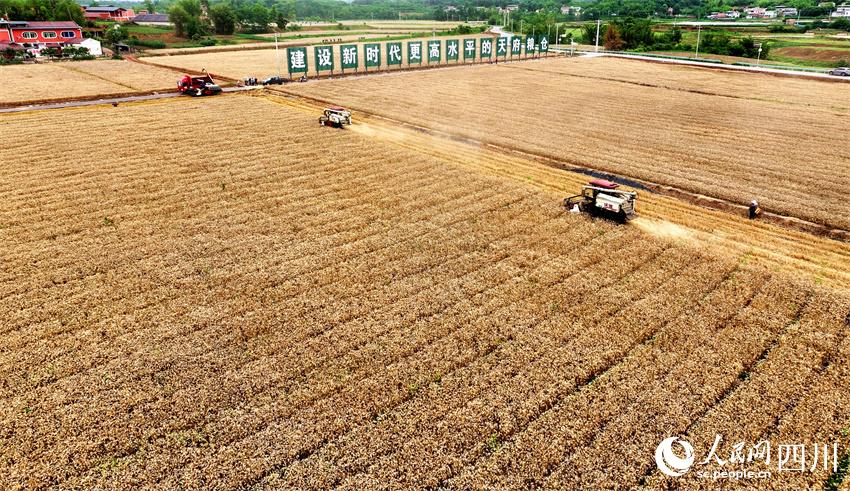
24	83
729	145
289	306
132	75
264	63
789	88
80	79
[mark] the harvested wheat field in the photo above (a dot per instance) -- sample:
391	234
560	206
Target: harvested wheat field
136	76
57	82
289	306
729	145
37	83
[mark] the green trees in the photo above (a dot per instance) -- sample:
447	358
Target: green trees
841	23
179	17
673	35
115	34
588	33
68	10
186	17
623	35
223	19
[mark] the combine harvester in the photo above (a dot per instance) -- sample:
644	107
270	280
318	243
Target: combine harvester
601	198
198	86
335	117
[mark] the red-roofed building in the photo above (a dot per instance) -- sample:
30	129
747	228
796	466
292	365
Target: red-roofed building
118	14
40	32
35	35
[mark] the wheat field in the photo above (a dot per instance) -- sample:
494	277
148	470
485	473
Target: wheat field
26	83
58	82
729	144
132	75
289	306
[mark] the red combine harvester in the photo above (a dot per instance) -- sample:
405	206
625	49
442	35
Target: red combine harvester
601	198
198	86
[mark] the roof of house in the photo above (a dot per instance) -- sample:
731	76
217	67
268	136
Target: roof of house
46	24
9	44
151	18
103	9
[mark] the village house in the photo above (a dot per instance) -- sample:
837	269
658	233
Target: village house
37	35
118	14
154	19
842	11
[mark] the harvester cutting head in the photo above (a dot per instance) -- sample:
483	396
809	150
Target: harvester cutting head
198	86
601	198
335	117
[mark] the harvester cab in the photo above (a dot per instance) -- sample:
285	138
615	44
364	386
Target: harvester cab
335	117
601	198
198	86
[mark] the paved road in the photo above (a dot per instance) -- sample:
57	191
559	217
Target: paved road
146	97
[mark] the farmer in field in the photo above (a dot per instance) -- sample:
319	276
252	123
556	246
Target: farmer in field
754	209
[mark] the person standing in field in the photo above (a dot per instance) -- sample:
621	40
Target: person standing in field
754	209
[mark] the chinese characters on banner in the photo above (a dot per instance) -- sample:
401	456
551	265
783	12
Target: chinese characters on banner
349	54
414	53
373	55
501	47
435	51
393	54
297	60
324	58
516	46
486	48
469	49
452	50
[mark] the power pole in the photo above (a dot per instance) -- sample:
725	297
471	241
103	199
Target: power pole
277	52
597	34
699	29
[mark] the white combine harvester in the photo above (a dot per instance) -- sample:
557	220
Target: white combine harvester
335	117
601	198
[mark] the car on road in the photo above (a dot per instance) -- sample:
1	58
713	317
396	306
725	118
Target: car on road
275	81
843	71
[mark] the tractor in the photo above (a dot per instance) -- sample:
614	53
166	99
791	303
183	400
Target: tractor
601	198
198	86
335	117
